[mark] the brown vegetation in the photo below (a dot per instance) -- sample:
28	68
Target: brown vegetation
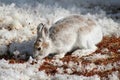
110	43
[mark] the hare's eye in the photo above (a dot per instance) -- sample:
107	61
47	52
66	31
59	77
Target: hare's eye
39	40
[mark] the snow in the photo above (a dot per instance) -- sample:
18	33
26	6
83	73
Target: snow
18	22
97	56
113	76
57	62
74	77
60	70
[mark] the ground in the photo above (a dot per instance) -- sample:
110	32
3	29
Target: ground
103	62
18	32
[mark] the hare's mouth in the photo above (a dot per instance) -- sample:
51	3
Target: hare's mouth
36	53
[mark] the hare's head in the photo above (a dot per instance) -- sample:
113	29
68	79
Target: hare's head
41	45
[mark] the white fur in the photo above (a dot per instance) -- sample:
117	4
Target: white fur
68	33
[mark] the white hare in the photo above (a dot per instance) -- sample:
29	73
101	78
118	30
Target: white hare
67	35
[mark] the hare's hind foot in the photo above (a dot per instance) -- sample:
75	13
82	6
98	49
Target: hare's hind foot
82	52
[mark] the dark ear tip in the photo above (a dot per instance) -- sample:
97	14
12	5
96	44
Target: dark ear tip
41	25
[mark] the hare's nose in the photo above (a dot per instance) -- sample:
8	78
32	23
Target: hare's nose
39	48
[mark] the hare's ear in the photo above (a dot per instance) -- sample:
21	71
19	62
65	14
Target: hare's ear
42	30
40	27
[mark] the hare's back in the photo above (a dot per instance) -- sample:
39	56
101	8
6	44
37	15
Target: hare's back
66	23
71	23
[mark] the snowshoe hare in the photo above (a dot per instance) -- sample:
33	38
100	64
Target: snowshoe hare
66	35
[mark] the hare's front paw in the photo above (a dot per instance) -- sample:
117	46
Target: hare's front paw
58	56
77	53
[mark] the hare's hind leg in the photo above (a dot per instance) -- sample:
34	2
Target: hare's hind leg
91	45
85	50
86	46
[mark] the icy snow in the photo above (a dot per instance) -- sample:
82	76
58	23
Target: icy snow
18	22
97	56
